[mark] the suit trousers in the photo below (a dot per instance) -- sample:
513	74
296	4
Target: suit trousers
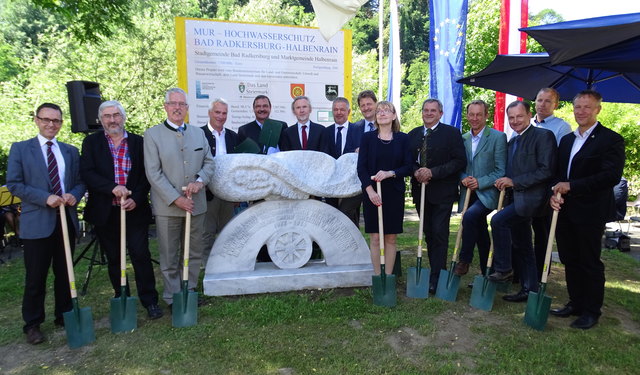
540	227
475	232
579	247
219	213
170	242
513	246
436	232
39	255
138	248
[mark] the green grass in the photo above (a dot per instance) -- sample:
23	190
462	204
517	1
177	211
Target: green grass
337	332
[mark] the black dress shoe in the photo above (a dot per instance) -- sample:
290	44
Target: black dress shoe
34	335
432	289
565	311
585	322
501	277
154	312
521	296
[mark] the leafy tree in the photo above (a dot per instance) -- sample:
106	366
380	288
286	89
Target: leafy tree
9	66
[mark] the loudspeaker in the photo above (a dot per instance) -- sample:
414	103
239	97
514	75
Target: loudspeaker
84	100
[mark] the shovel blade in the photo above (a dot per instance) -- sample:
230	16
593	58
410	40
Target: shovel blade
537	312
448	285
184	312
384	290
483	293
418	282
123	315
78	323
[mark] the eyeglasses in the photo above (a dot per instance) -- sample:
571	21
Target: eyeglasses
174	104
53	121
383	111
114	116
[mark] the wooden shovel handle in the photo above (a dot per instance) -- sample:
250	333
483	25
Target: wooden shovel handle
67	251
187	243
420	229
380	225
123	243
465	205
552	236
490	257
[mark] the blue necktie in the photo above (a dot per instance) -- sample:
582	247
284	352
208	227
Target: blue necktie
339	141
512	153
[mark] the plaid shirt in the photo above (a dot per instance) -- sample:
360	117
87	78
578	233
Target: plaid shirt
121	162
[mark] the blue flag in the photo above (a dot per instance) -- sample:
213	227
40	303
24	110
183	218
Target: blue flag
447	36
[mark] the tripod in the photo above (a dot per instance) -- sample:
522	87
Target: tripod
97	257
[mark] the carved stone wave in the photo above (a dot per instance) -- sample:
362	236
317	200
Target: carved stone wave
284	175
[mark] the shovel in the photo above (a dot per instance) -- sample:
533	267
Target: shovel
78	323
123	309
538	303
184	311
384	286
484	290
418	277
448	282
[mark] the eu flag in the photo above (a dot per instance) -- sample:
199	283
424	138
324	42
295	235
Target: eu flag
447	31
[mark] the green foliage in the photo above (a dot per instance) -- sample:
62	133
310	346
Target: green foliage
9	66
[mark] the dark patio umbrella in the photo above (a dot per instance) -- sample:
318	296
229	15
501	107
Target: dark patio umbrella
611	42
524	75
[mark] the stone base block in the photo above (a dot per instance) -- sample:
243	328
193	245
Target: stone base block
268	278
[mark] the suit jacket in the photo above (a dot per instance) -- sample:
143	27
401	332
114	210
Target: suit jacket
96	169
252	130
595	170
487	165
290	139
28	179
171	161
368	157
533	167
230	139
354	136
446	158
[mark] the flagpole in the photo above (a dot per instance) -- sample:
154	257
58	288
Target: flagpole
380	46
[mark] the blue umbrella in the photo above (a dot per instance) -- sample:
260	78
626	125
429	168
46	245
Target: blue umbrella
611	42
525	74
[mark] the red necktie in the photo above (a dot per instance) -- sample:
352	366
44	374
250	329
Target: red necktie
52	168
304	137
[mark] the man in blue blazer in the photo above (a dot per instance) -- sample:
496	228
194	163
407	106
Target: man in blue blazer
367	104
439	158
340	138
45	174
590	164
304	134
486	161
112	166
531	162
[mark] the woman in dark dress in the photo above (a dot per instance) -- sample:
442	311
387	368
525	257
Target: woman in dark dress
384	156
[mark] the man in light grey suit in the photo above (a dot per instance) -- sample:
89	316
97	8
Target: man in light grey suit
486	150
177	155
45	174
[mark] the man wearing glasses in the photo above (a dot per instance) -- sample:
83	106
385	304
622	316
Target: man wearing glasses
45	174
177	155
112	166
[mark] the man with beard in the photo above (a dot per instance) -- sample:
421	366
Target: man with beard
304	134
112	166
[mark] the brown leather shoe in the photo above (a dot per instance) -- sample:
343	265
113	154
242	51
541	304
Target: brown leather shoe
34	335
461	269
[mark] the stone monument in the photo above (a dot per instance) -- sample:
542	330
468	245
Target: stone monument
288	223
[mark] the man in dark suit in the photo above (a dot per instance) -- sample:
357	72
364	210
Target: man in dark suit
304	134
45	175
531	161
340	138
222	141
590	164
367	104
486	160
112	166
439	158
262	110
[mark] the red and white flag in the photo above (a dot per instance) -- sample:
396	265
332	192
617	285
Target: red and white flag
514	14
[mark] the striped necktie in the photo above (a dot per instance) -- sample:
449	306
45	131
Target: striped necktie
52	168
